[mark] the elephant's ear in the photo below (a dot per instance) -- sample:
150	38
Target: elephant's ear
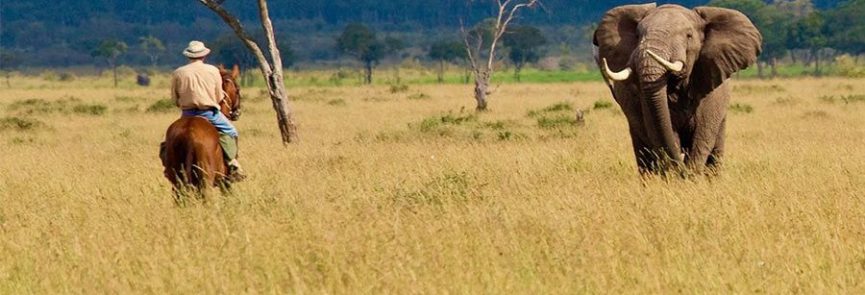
616	36
731	43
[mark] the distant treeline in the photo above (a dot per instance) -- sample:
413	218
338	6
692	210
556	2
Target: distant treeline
49	33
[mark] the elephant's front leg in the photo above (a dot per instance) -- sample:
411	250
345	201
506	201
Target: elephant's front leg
646	162
709	123
714	161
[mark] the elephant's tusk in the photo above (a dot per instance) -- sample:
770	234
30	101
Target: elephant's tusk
672	66
616	76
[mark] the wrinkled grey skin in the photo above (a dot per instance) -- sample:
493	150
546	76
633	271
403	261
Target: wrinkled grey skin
676	118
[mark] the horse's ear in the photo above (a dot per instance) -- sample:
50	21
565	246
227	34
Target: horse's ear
221	67
235	71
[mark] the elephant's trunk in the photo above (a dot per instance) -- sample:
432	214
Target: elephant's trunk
656	110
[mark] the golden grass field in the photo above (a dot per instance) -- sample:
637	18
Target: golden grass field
405	193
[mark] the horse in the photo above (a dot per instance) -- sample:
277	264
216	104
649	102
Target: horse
193	158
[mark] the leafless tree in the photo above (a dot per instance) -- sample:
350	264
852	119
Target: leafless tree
483	66
271	69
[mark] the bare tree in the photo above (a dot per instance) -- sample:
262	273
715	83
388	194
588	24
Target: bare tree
475	44
271	69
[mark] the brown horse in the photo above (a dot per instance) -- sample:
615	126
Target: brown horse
193	157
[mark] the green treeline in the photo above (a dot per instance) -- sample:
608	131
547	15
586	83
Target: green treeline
798	31
48	33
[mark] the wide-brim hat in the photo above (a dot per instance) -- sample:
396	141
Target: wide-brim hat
196	49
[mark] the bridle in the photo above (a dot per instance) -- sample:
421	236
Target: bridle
234	107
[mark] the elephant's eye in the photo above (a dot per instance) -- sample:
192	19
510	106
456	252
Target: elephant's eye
690	36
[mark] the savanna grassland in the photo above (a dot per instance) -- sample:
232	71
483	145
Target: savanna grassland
404	190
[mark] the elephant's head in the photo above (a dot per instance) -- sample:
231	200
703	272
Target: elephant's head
670	53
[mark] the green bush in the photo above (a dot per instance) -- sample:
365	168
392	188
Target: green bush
128	98
66	77
852	98
432	123
162	106
398	88
553	108
602	104
557	121
845	65
741	108
41	106
49	75
20	124
90	109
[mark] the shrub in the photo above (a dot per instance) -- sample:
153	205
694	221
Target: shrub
562	106
128	98
556	121
162	106
497	125
418	96
553	108
337	102
853	98
90	109
20	124
432	123
397	88
337	77
49	76
827	98
741	108
66	77
786	100
602	104
41	106
568	63
845	65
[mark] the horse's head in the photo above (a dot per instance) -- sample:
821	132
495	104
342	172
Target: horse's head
230	107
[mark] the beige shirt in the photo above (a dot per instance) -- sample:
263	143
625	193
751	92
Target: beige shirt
197	85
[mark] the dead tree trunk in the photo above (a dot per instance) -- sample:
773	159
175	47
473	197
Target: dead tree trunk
815	55
367	75
482	86
114	71
760	69
441	71
271	70
483	70
774	64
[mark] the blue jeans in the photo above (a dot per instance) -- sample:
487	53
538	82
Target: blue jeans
222	124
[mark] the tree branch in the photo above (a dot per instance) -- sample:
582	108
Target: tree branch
471	55
267	25
272	72
241	33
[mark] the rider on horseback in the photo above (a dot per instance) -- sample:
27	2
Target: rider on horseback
197	89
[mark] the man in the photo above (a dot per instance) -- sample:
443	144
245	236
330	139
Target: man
197	89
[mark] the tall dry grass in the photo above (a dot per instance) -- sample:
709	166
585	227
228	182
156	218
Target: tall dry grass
370	201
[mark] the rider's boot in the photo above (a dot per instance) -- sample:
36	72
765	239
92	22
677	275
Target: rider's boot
229	148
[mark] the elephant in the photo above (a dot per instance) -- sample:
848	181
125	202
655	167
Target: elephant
668	69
